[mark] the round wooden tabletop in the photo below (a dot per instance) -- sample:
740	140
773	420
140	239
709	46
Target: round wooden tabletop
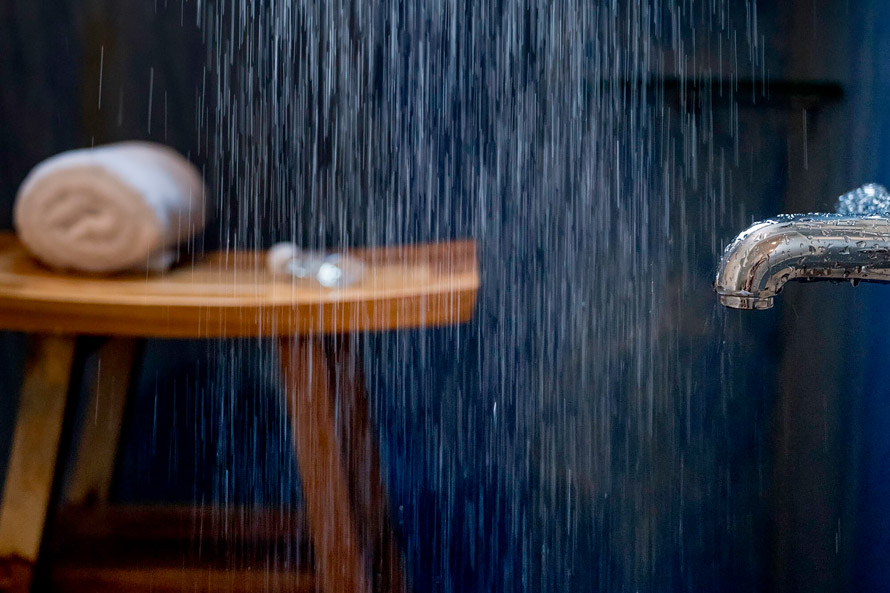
232	295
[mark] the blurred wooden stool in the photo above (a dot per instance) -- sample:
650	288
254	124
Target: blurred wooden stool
225	295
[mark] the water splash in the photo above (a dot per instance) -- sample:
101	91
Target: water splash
870	199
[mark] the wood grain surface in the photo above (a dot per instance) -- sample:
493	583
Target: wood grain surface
231	294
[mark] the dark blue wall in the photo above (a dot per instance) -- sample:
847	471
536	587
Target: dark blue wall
869	155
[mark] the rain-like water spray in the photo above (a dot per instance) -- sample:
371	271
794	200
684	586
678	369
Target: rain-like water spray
567	439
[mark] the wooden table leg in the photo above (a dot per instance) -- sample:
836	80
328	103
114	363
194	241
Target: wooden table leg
339	468
368	494
309	396
32	461
93	468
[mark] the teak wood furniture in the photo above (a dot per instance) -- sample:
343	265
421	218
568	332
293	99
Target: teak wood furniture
224	295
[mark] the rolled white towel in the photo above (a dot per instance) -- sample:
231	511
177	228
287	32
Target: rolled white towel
111	208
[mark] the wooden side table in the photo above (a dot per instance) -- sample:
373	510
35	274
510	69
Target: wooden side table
226	295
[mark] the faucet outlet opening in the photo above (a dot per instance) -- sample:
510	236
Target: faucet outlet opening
746	303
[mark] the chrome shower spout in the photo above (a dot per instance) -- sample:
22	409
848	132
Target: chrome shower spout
853	244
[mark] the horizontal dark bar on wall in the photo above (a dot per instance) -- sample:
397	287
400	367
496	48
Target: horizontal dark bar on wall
695	93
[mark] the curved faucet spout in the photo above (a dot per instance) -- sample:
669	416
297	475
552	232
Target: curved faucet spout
758	263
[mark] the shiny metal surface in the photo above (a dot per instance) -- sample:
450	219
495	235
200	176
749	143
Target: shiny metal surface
837	247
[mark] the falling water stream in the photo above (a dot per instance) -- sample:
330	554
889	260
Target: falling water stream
575	436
